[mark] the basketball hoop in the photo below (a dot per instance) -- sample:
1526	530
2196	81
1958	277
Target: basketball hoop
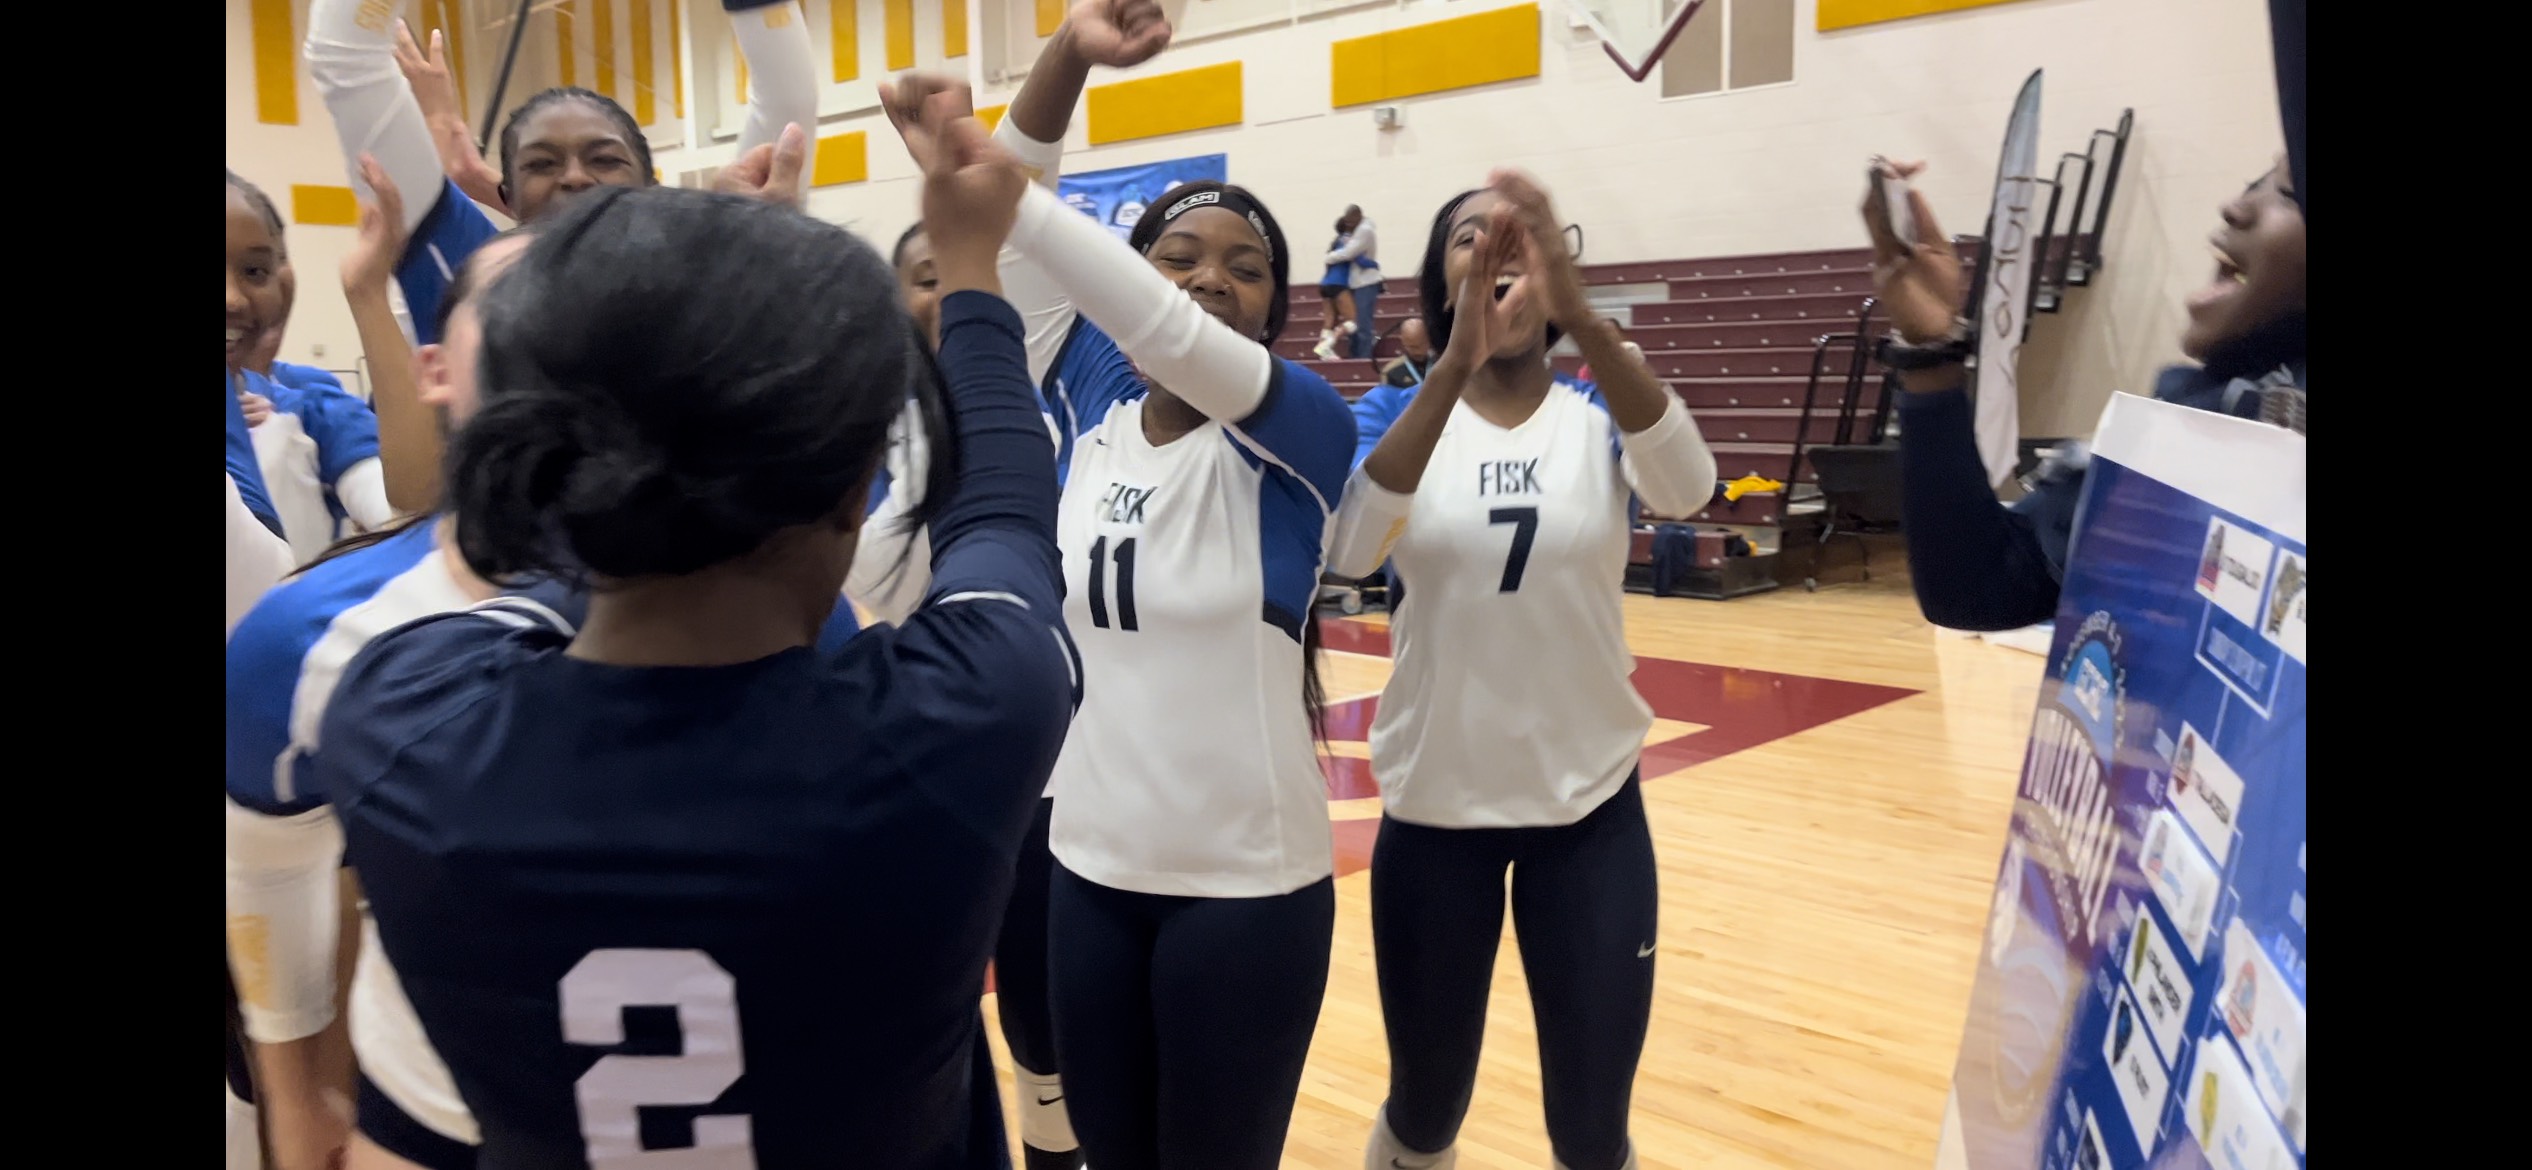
1635	33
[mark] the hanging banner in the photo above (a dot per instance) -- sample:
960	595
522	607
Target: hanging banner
2002	301
2140	992
1117	197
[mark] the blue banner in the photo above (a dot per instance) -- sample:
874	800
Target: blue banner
2140	993
1117	197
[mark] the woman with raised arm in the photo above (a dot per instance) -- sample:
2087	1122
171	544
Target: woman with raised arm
283	661
1508	735
558	822
558	143
1192	903
1980	565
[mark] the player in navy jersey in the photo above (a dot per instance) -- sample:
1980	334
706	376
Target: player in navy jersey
1508	734
890	576
555	145
283	845
667	878
1191	909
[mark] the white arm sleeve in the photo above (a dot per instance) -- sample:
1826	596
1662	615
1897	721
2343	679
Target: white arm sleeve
892	564
1367	524
281	908
1669	463
257	558
1046	317
782	78
1175	343
362	488
352	58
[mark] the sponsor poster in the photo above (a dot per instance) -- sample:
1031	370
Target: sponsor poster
2140	992
1117	198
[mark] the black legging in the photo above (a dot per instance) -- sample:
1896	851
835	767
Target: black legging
241	1075
1184	1022
1019	957
1584	904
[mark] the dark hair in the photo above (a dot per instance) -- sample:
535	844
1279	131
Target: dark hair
1147	231
897	255
670	378
1433	286
569	93
263	205
361	540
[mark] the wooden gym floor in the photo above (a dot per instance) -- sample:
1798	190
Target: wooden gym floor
1828	785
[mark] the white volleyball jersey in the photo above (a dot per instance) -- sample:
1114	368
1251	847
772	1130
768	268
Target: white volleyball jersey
1189	569
1509	702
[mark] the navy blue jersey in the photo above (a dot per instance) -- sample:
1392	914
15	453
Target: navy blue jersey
744	909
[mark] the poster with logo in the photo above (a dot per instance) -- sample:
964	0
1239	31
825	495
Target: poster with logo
2139	999
1117	197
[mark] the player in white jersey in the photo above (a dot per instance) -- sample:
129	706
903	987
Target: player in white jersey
1508	735
1191	909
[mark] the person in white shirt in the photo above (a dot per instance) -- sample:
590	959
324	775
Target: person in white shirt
1509	733
1362	250
1193	901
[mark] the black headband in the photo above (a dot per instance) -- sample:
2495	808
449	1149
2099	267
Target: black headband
1228	200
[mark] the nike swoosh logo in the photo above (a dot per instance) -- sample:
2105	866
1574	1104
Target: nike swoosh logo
1645	953
1050	1100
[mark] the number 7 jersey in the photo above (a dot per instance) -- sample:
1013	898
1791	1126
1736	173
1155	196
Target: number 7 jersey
1189	570
1510	702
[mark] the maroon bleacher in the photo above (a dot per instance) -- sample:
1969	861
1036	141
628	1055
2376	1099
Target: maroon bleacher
1733	335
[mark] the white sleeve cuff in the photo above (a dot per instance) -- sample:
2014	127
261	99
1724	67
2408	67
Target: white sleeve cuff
1368	524
362	490
1669	463
351	53
782	77
1042	160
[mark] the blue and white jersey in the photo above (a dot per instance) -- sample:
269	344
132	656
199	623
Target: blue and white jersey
742	911
1189	569
244	471
1339	271
1510	702
301	377
440	244
318	436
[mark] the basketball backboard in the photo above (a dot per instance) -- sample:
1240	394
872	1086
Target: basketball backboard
1636	32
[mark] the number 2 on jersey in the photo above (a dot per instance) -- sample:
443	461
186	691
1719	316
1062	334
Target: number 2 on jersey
1525	528
614	1090
1099	583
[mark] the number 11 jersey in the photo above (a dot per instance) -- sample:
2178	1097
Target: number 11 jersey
1189	569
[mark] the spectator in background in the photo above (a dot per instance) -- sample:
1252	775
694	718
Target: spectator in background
1406	371
1981	566
1336	301
1362	250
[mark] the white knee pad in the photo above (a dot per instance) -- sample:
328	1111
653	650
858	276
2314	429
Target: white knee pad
1044	1125
1386	1152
